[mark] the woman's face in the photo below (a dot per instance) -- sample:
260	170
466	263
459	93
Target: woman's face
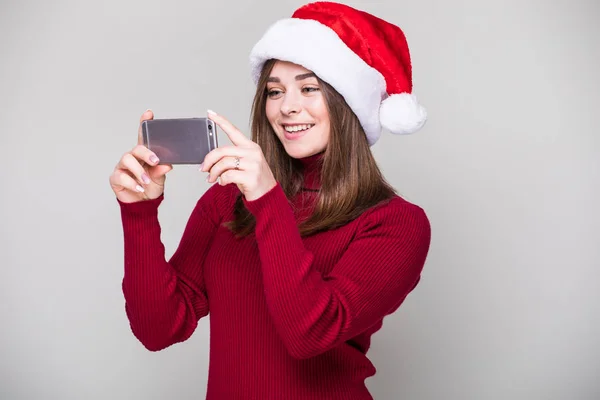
296	110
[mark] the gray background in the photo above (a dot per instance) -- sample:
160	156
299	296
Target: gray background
507	169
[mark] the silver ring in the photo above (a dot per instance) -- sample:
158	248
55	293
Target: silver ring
237	163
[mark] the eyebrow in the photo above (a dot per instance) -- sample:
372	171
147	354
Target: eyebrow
298	77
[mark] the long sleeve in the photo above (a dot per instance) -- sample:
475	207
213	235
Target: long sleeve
165	299
315	313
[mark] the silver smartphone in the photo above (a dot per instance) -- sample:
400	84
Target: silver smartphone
180	140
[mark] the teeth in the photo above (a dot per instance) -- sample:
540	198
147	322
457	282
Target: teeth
298	128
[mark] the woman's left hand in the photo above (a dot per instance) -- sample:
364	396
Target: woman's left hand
243	163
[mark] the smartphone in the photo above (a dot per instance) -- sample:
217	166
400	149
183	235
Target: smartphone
180	140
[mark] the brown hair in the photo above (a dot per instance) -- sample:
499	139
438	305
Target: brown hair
351	181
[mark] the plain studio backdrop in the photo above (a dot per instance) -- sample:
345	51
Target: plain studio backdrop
507	168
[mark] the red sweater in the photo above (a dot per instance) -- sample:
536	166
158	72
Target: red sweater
290	317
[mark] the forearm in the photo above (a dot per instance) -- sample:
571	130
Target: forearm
161	306
305	308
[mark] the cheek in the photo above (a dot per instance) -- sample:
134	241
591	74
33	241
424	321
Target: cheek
318	109
271	109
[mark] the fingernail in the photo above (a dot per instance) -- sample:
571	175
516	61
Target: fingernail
207	178
201	166
148	110
211	112
154	159
139	188
146	179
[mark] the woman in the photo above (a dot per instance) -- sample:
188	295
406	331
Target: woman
302	248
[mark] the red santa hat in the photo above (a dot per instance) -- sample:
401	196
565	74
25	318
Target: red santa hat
365	59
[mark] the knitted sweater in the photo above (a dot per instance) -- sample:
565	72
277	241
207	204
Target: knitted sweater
291	317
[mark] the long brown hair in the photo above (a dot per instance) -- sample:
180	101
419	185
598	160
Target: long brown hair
351	181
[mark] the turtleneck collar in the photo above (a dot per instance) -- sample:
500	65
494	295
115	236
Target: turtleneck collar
312	171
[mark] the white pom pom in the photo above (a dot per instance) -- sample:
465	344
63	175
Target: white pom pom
402	114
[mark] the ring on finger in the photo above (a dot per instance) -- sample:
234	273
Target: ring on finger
237	163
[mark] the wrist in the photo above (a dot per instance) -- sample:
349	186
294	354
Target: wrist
142	207
258	194
269	201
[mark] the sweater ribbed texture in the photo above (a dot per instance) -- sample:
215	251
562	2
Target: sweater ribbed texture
290	317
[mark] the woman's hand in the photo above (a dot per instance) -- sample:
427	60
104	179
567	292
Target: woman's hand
243	163
137	176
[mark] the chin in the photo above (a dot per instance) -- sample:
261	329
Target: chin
296	151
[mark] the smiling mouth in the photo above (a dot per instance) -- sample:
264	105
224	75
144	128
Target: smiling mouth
297	128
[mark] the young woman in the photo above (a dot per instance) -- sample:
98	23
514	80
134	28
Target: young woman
302	248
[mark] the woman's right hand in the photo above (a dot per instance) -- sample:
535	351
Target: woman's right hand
137	176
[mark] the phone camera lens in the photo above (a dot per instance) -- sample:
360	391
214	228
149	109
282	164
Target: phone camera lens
209	127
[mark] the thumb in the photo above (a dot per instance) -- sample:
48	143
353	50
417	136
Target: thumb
147	115
158	171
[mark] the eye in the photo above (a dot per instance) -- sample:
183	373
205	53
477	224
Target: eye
310	89
273	93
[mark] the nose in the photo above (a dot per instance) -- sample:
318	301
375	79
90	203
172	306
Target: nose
290	104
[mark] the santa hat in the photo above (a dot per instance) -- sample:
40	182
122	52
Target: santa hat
365	59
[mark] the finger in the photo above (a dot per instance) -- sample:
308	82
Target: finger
121	180
231	176
224	164
159	171
129	163
148	114
226	151
234	134
143	153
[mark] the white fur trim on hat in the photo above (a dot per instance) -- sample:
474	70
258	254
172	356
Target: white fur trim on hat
318	48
